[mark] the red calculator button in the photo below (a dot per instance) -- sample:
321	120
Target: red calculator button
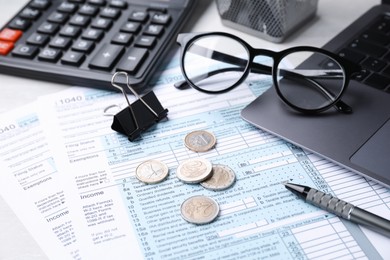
10	35
6	47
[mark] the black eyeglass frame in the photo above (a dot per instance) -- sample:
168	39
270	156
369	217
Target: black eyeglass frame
186	39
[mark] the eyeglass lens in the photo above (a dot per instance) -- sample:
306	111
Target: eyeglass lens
215	63
307	87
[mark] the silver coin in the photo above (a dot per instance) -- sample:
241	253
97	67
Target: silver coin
194	170
222	178
200	141
199	209
152	171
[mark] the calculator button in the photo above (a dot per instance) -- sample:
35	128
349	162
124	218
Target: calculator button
118	4
88	10
146	41
73	58
130	27
132	60
161	19
138	16
49	54
92	34
57	17
122	38
70	31
109	12
6	47
80	20
19	24
154	29
38	39
60	42
10	35
40	4
97	2
66	7
25	51
83	46
106	57
48	28
101	23
30	14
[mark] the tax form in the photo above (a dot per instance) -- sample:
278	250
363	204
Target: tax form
29	182
118	217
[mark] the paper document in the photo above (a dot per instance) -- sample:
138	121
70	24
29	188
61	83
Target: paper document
71	180
121	217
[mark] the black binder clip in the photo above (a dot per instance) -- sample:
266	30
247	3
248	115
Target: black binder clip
140	115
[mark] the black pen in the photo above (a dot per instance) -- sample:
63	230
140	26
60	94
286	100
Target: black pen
341	208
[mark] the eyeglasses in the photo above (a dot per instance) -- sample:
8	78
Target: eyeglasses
307	79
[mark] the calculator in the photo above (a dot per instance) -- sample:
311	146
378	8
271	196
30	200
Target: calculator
84	42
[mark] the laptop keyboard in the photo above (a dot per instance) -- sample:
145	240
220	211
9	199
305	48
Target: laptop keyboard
83	42
371	50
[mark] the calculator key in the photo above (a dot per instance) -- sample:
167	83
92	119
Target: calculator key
161	19
154	29
73	58
30	14
40	4
109	12
57	17
6	47
25	51
92	34
70	31
101	23
83	46
122	38
80	20
106	57
19	24
138	16
51	55
38	39
145	41
60	42
130	27
10	35
48	28
118	4
66	7
132	60
97	2
88	10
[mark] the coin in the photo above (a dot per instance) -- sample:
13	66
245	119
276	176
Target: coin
222	178
200	141
199	209
194	170
152	171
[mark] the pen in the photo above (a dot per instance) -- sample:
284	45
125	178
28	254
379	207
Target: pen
341	208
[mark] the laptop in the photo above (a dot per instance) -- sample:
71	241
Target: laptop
359	141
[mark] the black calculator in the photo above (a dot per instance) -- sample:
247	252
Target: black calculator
84	42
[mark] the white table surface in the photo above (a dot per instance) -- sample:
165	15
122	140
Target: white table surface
332	16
